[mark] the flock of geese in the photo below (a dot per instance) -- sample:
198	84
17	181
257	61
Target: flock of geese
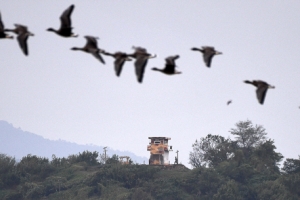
140	54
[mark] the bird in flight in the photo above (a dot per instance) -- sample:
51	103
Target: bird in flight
91	46
229	102
262	88
141	58
169	66
120	58
23	34
208	54
65	29
2	33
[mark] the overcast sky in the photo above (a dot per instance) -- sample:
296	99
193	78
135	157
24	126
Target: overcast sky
62	94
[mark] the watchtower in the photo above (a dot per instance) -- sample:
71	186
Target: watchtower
159	150
121	159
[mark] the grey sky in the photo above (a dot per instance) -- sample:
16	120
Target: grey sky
59	93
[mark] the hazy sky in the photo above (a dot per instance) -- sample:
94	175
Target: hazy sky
62	94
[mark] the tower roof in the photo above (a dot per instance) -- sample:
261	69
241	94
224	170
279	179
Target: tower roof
165	138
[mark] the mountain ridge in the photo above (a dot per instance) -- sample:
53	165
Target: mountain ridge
18	143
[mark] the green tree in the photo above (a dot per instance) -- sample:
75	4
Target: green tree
291	166
228	191
265	159
210	151
113	160
273	190
291	176
248	136
90	158
8	172
32	167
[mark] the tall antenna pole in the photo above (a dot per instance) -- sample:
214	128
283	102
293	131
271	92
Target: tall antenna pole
177	157
105	154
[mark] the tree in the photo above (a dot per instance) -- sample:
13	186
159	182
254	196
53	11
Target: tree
247	135
265	159
273	190
8	172
210	151
228	191
291	176
291	166
33	167
250	149
90	158
113	160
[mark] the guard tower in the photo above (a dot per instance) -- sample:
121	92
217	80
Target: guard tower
159	150
121	159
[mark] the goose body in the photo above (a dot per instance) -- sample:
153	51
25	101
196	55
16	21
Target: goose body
2	33
169	66
208	53
141	58
65	29
262	88
23	34
91	46
120	58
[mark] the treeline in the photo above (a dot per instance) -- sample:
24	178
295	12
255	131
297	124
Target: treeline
246	167
34	177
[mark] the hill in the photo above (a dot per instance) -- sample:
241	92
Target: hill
82	177
224	169
18	143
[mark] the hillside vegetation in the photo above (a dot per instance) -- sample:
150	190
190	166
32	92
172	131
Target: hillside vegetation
246	167
82	177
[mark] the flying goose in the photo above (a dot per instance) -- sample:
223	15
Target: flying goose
169	66
2	33
23	33
65	29
141	55
208	53
229	102
262	88
91	47
120	59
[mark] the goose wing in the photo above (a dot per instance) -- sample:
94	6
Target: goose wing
119	62
1	24
140	65
22	40
95	53
140	50
91	42
170	64
65	18
208	54
21	29
261	92
171	60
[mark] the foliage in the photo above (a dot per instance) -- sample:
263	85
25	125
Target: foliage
8	172
210	151
113	160
264	158
291	166
243	168
32	168
247	135
228	191
90	158
247	164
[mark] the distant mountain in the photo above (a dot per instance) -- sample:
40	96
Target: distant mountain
18	143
